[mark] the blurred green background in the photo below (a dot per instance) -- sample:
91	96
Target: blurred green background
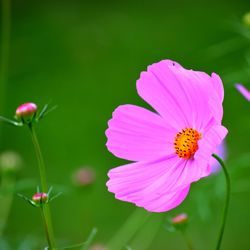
85	57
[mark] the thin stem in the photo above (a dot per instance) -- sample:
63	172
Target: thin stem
39	156
128	230
45	224
46	209
187	239
89	239
7	187
226	206
5	48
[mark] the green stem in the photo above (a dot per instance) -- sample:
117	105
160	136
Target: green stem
39	156
6	197
128	230
6	200
46	209
45	224
225	210
187	240
5	48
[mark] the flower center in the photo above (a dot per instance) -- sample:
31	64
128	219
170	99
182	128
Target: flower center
186	143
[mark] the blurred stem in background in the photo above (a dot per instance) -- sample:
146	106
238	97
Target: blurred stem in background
7	180
132	225
147	233
187	239
225	47
227	199
46	215
5	48
85	245
10	163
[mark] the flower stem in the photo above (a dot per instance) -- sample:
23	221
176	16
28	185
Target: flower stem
187	239
7	187
45	225
225	210
5	48
45	209
128	230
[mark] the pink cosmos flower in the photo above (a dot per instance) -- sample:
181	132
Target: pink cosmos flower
171	148
243	91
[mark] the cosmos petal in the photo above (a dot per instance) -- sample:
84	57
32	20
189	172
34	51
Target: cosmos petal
133	178
221	151
180	96
216	98
218	86
209	142
166	201
161	95
135	134
243	91
137	183
198	91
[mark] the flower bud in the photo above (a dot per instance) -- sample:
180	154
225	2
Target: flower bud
180	219
180	222
26	111
40	198
83	176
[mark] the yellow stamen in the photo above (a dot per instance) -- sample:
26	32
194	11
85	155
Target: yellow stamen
186	143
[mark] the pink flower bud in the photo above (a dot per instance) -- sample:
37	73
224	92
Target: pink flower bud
40	198
179	219
83	176
26	110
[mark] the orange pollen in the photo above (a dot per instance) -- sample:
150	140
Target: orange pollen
186	143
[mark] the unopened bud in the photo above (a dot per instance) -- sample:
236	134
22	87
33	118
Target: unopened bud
246	19
180	222
10	162
26	111
179	219
83	176
40	198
